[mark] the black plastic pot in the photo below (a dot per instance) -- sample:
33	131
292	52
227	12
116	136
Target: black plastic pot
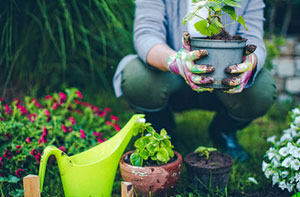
221	53
206	177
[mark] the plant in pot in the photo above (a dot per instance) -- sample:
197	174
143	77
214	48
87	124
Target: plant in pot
223	49
153	167
208	169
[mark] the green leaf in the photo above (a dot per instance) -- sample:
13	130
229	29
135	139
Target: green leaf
141	142
242	21
144	154
13	179
157	136
136	159
213	29
163	155
170	151
230	11
163	132
3	179
151	148
232	3
201	26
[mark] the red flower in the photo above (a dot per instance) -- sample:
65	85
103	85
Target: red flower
47	113
100	140
48	97
23	110
72	120
97	134
36	103
34	152
115	118
45	131
7	135
8	154
31	117
1	119
82	135
17	100
102	113
64	128
54	106
62	98
19	172
19	148
116	126
28	140
107	109
7	109
43	138
1	99
38	157
79	94
62	148
109	123
1	164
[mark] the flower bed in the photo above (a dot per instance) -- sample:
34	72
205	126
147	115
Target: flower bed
61	119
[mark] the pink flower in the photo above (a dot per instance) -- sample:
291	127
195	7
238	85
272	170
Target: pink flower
79	94
8	154
102	113
23	110
1	119
64	128
116	126
34	152
62	148
62	98
54	106
38	157
100	140
82	135
109	123
45	131
115	118
17	100
7	109
7	135
98	134
28	140
95	109
1	164
72	120
19	148
36	103
48	97
47	113
19	172
31	117
1	99
107	109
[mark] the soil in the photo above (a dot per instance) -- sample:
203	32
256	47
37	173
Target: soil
149	162
270	192
216	160
224	35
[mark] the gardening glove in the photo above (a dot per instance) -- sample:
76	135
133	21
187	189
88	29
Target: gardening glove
242	72
182	63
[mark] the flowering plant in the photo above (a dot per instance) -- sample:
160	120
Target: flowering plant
284	156
61	119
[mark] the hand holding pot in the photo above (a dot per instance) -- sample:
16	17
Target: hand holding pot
182	63
242	72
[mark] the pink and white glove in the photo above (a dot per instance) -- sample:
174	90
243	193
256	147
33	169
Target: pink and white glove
244	71
182	63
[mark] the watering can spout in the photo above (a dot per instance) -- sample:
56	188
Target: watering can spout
92	172
60	156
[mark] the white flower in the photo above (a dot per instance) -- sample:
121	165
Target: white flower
282	185
297	177
296	152
271	139
286	137
287	162
289	186
141	120
271	153
298	142
298	186
275	163
297	121
284	151
284	174
296	111
275	178
252	179
295	164
265	166
268	173
292	180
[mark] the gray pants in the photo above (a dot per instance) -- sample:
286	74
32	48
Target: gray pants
150	91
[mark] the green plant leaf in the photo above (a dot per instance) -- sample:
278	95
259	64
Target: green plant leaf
141	142
13	179
136	159
157	136
163	155
170	151
151	148
144	154
242	21
213	29
201	26
230	11
232	3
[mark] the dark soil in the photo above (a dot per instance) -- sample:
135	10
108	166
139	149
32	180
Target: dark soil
149	162
270	192
224	35
216	160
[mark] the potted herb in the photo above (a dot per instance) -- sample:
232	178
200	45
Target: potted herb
223	49
208	168
153	167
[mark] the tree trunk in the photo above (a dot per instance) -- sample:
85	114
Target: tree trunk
287	19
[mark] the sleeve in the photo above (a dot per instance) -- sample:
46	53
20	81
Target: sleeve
149	26
254	19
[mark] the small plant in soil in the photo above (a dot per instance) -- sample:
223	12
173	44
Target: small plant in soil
212	26
152	148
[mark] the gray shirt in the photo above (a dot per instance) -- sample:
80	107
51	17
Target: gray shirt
160	21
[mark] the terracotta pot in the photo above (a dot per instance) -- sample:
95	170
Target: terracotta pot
204	175
157	180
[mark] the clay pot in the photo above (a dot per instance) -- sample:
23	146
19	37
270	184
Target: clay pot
210	174
154	180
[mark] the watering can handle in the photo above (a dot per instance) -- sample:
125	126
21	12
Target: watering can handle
48	151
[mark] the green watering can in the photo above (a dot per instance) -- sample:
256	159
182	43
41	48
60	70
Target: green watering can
92	172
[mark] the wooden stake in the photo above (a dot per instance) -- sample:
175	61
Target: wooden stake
31	184
126	189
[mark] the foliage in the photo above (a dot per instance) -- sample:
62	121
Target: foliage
151	146
61	119
273	50
284	156
45	44
202	150
213	25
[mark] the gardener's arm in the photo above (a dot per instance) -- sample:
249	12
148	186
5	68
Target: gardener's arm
158	56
